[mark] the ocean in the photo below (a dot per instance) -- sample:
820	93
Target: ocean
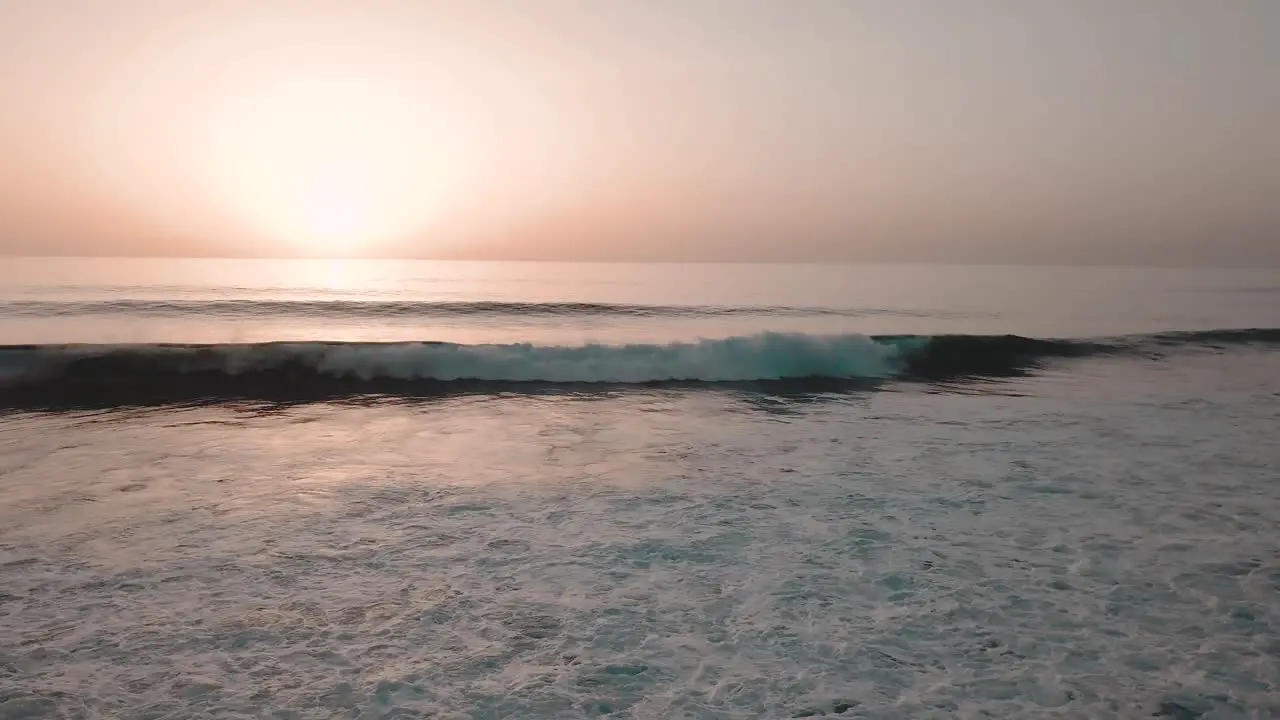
374	489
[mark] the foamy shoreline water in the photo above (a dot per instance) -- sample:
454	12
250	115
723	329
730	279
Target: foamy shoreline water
655	553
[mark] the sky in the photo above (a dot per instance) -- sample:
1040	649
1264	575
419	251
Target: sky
1040	131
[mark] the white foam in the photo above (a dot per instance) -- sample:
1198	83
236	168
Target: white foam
1096	549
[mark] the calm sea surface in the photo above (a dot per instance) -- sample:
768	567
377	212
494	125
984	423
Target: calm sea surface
301	489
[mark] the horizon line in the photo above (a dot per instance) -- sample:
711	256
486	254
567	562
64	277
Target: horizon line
695	261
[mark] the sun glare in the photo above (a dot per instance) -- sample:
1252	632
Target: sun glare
332	169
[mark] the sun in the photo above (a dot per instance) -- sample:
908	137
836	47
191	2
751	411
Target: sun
329	168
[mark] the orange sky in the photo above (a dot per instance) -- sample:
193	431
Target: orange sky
673	129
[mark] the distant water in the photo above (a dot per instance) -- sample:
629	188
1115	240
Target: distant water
464	490
235	301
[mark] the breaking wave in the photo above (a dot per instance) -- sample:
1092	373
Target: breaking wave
36	375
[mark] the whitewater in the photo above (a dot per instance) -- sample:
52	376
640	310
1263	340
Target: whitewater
300	489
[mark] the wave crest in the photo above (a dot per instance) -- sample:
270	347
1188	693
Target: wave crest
37	375
768	356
